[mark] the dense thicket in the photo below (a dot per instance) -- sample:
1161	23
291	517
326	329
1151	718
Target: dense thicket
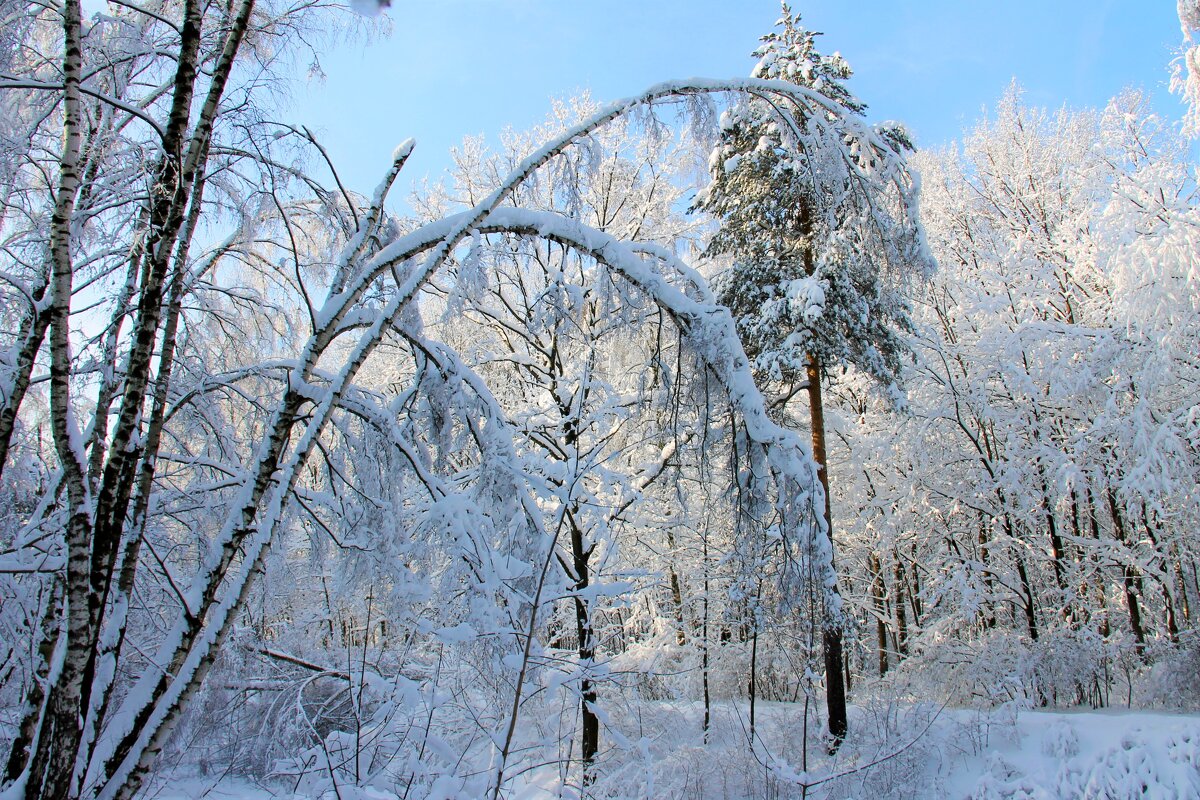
1038	507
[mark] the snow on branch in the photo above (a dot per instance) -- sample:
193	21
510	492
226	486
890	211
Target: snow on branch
140	727
709	329
1185	79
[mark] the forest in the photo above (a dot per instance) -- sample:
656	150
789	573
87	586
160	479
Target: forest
714	442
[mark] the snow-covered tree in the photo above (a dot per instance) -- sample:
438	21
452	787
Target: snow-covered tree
818	213
435	505
127	117
1185	79
1033	486
280	381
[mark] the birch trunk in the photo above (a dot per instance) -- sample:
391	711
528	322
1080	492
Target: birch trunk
52	763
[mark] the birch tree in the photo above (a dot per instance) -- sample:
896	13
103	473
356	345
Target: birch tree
119	97
159	511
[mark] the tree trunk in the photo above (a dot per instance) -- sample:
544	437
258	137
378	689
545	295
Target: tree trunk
22	744
589	737
901	615
752	689
33	333
914	591
835	688
1181	582
1163	580
1057	550
1131	576
704	637
1094	525
877	599
52	765
1027	602
676	591
986	610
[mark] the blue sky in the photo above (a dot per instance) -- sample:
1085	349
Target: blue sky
452	68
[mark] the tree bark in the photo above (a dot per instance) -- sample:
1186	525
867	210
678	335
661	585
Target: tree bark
1131	576
589	737
1163	580
33	333
901	615
877	598
835	687
676	592
704	665
1027	601
752	684
52	765
22	744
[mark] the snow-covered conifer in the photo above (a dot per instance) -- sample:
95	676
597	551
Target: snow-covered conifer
818	214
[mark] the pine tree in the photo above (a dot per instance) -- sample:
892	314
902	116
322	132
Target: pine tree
818	213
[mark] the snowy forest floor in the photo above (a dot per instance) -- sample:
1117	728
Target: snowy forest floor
894	751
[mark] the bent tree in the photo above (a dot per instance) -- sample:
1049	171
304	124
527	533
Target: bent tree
204	398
